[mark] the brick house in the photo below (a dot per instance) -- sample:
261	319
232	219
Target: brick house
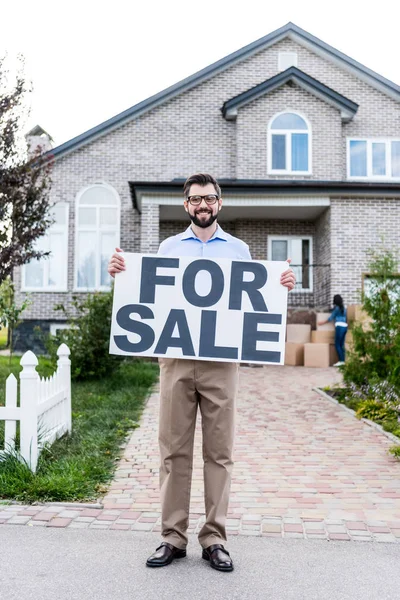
304	140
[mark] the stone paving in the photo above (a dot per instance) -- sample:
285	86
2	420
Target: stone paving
304	468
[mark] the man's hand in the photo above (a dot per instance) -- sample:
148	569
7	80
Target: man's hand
288	278
117	263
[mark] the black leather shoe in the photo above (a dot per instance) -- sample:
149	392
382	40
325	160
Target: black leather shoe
219	557
164	555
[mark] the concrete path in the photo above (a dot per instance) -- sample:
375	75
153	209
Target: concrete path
304	468
109	565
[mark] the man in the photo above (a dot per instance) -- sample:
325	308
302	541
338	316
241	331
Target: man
186	385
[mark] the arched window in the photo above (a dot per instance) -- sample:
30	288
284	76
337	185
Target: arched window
97	234
289	144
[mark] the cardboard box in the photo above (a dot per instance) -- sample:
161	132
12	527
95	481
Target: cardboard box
294	354
298	334
317	355
323	317
356	314
323	337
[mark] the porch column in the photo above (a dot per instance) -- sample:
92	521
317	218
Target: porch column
150	227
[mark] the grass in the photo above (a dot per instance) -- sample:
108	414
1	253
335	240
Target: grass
80	466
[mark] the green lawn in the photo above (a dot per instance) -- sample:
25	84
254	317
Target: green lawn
78	467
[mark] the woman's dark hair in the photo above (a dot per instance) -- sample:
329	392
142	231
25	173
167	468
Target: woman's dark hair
338	301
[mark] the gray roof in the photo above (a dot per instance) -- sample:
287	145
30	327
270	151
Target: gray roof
289	30
347	107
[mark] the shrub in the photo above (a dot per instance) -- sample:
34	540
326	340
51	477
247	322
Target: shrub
395	450
375	411
88	337
376	351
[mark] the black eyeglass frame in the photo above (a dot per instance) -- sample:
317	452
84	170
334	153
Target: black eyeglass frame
215	198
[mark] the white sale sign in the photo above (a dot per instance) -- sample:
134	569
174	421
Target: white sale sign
207	309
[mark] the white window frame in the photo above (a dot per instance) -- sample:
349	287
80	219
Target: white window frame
55	327
288	238
55	228
288	133
388	152
97	287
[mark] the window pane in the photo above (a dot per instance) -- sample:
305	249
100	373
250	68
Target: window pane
395	159
279	250
59	213
98	194
87	216
108	216
289	121
358	158
299	152
108	243
87	259
56	261
379	159
279	152
34	270
34	273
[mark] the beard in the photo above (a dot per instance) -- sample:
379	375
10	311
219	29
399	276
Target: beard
203	223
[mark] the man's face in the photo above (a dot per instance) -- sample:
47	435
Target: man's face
204	214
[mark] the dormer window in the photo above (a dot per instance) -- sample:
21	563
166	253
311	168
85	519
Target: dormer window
289	145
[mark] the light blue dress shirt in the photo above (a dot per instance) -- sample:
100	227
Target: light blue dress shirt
220	245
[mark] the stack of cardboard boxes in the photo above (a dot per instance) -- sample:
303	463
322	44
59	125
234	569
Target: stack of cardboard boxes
311	348
296	337
321	352
317	348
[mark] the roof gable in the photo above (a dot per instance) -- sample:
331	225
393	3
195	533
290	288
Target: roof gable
347	107
289	30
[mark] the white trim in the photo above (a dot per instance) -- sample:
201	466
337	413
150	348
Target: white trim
54	327
55	228
369	141
238	200
288	135
97	230
271	238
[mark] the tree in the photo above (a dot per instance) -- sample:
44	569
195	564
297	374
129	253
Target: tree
376	352
10	312
24	182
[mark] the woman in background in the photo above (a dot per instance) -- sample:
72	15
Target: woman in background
339	316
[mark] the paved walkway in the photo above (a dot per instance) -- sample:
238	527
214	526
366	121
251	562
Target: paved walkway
304	467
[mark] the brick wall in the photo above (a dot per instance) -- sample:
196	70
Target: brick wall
358	225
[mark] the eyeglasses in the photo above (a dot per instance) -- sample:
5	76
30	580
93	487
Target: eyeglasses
209	198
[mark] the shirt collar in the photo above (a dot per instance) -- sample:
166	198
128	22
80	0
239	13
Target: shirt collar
219	234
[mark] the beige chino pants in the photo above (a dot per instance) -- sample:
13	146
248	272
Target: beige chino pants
184	386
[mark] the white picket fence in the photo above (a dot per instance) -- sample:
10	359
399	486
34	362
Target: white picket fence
44	410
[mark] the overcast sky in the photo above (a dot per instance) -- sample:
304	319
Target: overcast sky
90	60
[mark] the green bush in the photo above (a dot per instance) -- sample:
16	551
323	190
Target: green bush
376	351
88	337
375	411
395	450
